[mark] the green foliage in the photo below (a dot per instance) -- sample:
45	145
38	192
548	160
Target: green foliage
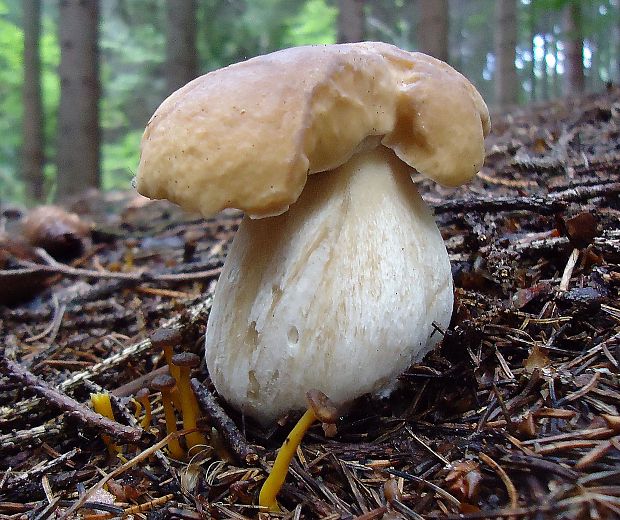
11	81
132	48
233	31
12	44
392	22
314	24
50	86
120	159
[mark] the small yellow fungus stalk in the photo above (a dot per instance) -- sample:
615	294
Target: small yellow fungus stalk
102	405
320	409
184	363
164	384
142	398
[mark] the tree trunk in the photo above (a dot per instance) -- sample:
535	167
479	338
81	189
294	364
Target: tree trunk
433	23
32	154
592	76
181	55
574	83
557	80
544	78
506	82
533	80
78	114
614	72
457	48
350	21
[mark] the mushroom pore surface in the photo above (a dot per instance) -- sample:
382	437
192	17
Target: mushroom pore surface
339	293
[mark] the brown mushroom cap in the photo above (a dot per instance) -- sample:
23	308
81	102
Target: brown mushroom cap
162	382
186	359
323	408
165	337
142	393
247	136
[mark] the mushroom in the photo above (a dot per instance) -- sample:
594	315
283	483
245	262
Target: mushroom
165	339
340	291
164	383
320	408
142	399
185	361
103	406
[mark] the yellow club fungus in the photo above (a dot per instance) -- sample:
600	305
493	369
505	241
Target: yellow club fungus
102	405
165	383
320	409
184	363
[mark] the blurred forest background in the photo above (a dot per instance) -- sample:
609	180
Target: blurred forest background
80	79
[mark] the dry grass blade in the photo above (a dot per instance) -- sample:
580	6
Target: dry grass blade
441	492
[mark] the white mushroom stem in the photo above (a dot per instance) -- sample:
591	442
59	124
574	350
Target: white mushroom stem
339	293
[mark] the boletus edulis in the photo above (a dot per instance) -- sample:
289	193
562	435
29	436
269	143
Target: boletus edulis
338	269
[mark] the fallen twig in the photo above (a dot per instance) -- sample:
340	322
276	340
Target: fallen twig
494	204
234	439
33	435
548	205
137	277
21	478
62	401
597	453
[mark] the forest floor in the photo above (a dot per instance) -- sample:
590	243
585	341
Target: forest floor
515	415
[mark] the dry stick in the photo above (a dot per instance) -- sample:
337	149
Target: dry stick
374	513
139	277
234	439
15	438
568	270
528	512
143	508
54	325
549	204
592	352
605	243
582	391
81	412
445	461
532	462
596	453
566	445
441	492
493	204
581	193
594	433
510	426
134	386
